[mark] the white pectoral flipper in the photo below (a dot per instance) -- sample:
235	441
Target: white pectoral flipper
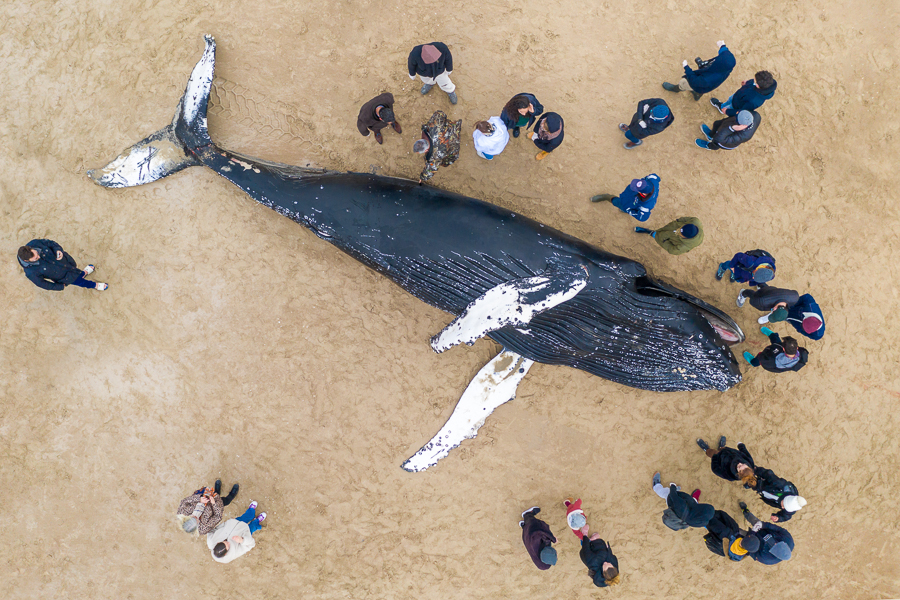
514	303
494	385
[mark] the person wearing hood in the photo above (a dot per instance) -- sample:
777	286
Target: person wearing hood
709	75
638	199
652	116
537	537
772	300
680	236
548	134
682	507
521	111
490	137
439	143
751	95
49	267
203	509
776	544
778	493
433	63
753	267
376	114
779	356
730	464
730	132
726	539
806	317
598	557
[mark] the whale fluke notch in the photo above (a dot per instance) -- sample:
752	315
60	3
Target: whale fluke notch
494	385
512	303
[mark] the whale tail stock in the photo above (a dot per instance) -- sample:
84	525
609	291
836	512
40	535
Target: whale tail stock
173	147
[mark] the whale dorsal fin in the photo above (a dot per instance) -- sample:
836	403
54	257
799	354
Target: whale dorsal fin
514	303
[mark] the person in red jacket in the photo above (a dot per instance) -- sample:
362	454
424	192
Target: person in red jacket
537	537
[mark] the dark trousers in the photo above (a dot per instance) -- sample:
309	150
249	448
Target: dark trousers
82	282
712	134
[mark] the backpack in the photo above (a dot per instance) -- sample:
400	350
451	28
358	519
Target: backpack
673	521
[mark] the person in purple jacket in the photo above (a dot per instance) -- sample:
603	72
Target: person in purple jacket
537	537
753	267
709	75
751	95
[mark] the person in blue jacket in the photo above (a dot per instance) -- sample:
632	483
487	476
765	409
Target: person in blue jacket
806	317
521	111
776	544
651	117
548	134
638	199
709	75
753	268
751	95
49	267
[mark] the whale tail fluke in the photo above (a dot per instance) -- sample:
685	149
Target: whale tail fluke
172	148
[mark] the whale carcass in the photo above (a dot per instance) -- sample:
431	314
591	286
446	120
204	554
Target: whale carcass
544	296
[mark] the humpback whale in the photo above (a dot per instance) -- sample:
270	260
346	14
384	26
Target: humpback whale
544	296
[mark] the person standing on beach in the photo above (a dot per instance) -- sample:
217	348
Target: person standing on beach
730	132
439	144
775	491
753	267
490	137
776	544
49	267
598	557
752	94
234	538
683	510
730	464
521	111
375	115
538	539
548	134
709	75
433	63
806	317
638	199
680	236
779	356
652	116
772	300
726	539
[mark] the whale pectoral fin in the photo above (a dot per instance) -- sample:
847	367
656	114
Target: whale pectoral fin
513	303
495	384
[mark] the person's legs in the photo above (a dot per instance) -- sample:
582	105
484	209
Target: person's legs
727	104
82	282
631	138
443	82
429	83
226	500
723	268
715	127
755	523
248	515
683	85
662	492
254	526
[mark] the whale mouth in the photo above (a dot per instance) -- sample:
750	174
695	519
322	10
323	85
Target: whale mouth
729	331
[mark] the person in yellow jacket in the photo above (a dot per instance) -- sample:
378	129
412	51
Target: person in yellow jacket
680	236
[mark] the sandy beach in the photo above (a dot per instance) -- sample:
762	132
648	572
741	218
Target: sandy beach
234	343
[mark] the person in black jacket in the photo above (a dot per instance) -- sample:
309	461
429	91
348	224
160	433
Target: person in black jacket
751	95
773	490
597	556
730	132
433	63
376	114
49	267
726	539
684	506
548	134
730	464
652	116
772	300
779	356
776	544
537	537
521	111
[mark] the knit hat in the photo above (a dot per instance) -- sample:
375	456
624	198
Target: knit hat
750	543
793	503
576	519
781	551
811	323
744	118
659	113
779	314
430	54
641	186
763	273
554	122
690	230
548	555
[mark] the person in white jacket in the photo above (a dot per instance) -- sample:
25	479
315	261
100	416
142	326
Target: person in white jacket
491	137
234	537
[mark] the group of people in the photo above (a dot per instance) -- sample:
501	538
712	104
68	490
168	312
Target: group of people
201	514
440	137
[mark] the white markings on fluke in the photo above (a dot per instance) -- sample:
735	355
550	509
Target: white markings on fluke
495	384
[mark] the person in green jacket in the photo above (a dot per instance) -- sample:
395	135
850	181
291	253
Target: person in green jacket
680	236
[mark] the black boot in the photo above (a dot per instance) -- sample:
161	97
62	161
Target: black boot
227	499
515	132
696	95
218	486
642	230
670	87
